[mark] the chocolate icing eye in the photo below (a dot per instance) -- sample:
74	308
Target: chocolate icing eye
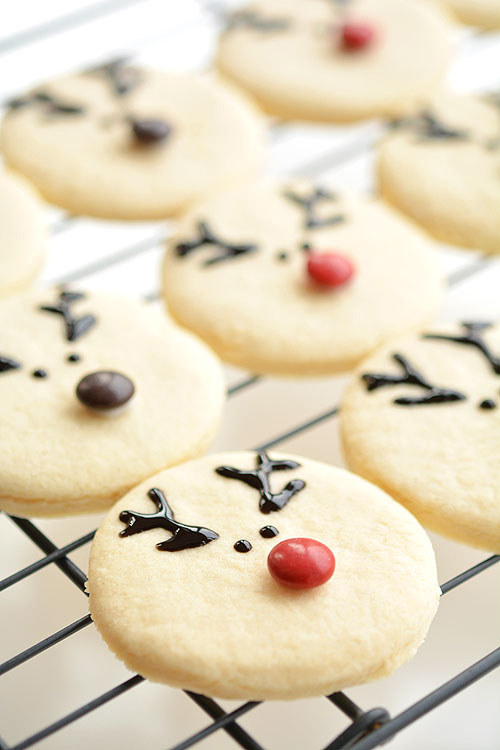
6	364
150	131
40	373
488	403
104	390
268	532
242	545
73	358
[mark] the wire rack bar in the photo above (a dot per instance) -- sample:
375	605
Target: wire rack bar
233	729
68	567
470	573
211	728
432	700
51	640
346	705
63	23
82	711
52	557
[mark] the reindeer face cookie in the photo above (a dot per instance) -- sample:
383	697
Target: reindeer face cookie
97	392
22	234
259	576
442	168
336	61
422	420
295	279
122	143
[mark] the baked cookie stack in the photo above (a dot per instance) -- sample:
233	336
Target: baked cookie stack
258	575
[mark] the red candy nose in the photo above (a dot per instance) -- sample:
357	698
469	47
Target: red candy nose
357	36
301	563
329	269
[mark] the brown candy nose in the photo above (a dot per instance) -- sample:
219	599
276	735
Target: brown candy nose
150	131
104	390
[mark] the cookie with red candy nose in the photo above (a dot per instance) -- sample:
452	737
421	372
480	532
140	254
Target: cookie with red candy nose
261	576
297	279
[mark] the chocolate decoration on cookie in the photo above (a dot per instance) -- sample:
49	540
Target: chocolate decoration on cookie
472	338
268	532
6	364
73	358
207	237
242	546
75	327
428	127
310	204
488	403
40	373
150	131
104	390
122	78
50	104
184	537
251	19
259	479
434	395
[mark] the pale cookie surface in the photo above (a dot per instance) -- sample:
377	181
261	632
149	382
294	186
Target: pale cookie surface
484	13
246	289
22	234
291	56
442	168
213	620
426	428
62	454
124	143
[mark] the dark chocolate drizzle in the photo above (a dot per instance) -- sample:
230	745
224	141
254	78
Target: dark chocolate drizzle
310	203
207	237
251	19
434	394
488	403
472	337
51	104
184	537
121	77
268	532
75	327
428	127
259	480
242	545
6	364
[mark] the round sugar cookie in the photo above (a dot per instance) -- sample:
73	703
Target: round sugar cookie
421	419
442	168
257	576
98	392
294	279
118	142
483	13
327	61
22	234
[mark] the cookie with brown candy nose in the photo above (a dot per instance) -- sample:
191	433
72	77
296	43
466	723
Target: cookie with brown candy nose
261	576
119	142
297	278
98	392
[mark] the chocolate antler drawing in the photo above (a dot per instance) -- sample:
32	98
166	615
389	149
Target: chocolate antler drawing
309	204
259	479
429	127
207	237
250	19
410	376
184	537
52	105
6	364
121	77
75	327
472	338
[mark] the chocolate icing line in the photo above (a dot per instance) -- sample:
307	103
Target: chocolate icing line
183	536
207	237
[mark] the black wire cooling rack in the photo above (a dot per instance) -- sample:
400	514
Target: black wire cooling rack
368	728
